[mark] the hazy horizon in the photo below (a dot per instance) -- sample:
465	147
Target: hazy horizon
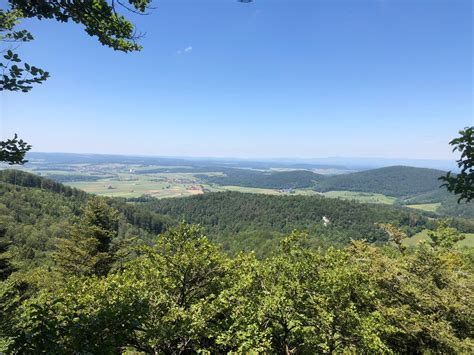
361	162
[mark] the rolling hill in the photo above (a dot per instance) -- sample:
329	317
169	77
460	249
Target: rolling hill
396	181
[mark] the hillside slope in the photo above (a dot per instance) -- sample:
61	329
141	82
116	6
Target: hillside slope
396	181
34	211
229	215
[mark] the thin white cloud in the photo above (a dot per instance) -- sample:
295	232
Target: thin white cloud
185	50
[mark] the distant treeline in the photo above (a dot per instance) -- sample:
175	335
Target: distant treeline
78	177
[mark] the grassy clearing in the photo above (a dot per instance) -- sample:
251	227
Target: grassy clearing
430	207
423	236
361	197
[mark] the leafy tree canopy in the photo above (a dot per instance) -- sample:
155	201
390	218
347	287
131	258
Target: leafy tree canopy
462	184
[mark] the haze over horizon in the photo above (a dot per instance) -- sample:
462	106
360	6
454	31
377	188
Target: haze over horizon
346	162
303	79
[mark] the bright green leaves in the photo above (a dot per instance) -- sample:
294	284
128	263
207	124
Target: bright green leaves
444	236
184	273
162	302
462	184
183	295
395	234
92	315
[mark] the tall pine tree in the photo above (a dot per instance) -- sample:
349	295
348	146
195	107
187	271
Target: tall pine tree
88	249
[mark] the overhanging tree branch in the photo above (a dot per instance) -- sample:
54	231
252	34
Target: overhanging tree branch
462	184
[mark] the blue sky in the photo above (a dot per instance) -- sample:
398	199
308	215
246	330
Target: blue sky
274	78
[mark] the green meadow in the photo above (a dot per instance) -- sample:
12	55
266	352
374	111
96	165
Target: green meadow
422	236
429	207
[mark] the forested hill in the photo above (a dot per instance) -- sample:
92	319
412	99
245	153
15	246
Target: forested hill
24	179
35	211
252	217
397	181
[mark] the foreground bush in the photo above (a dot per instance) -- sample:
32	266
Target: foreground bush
183	295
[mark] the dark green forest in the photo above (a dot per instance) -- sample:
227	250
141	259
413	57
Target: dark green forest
226	215
396	181
243	221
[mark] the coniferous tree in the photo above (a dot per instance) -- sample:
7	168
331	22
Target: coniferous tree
88	249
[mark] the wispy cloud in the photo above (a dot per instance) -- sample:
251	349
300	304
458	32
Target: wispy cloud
185	50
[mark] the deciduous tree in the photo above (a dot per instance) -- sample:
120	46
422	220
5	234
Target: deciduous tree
462	184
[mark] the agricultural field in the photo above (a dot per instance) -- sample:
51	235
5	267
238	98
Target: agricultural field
429	207
159	181
134	185
468	242
121	180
